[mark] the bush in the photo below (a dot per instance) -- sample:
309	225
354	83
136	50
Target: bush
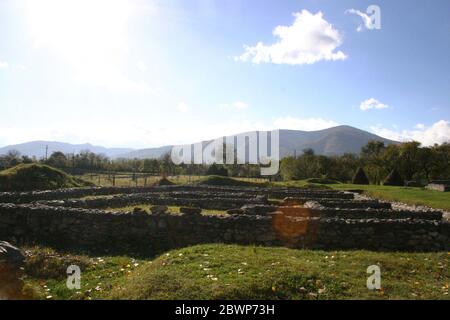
215	170
394	179
360	177
27	177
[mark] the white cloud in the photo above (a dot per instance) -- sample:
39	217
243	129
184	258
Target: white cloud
367	22
372	104
97	54
439	133
183	107
308	40
14	67
420	126
306	124
142	66
240	105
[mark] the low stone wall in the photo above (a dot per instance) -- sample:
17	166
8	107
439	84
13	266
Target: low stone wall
140	232
343	213
204	201
30	196
282	194
338	203
279	193
357	204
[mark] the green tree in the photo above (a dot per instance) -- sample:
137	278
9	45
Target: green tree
371	155
57	160
409	159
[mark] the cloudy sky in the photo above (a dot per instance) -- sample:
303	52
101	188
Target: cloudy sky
147	73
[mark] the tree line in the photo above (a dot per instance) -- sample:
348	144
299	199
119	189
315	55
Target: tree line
86	161
409	159
412	161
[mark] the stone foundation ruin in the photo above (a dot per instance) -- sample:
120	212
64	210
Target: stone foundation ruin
291	217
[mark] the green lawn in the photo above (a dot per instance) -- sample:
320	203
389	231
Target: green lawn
409	195
244	272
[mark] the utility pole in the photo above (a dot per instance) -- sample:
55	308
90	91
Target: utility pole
46	152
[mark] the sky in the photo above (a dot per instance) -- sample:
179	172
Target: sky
150	73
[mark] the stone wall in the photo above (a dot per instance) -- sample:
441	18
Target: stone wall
316	210
62	194
215	201
140	232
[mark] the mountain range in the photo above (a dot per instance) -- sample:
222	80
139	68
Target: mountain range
38	149
332	141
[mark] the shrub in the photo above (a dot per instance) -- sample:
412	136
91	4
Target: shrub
394	179
360	177
215	170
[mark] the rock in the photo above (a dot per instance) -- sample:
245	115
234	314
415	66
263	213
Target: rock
11	262
235	211
10	255
190	211
266	237
291	201
139	211
159	209
262	198
162	224
258	209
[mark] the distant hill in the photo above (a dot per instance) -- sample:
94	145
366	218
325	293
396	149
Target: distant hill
149	153
37	149
332	141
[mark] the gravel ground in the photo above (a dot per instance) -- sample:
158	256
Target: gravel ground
403	206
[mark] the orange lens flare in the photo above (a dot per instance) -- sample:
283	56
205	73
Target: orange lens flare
293	223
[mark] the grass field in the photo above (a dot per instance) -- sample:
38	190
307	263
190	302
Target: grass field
242	272
414	196
217	271
124	179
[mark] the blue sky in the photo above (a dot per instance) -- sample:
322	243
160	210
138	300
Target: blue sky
149	73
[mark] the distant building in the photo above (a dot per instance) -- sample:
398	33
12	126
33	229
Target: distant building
439	185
